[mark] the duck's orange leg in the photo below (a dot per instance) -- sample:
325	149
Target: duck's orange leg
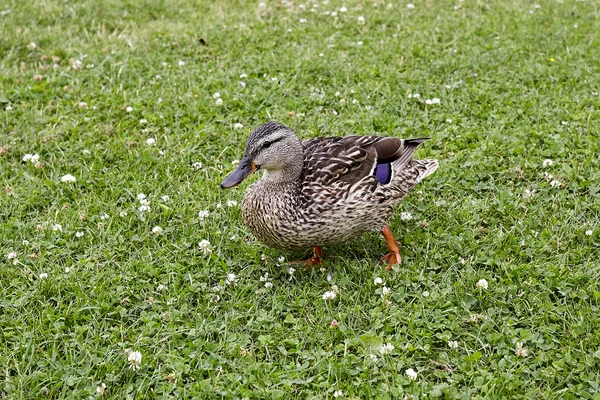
393	257
316	259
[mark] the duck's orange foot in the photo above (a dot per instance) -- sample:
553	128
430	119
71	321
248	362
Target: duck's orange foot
391	259
316	259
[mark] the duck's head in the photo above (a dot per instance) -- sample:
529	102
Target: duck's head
273	147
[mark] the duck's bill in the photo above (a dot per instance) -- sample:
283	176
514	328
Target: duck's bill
244	170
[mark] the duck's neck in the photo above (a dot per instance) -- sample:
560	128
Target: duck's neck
288	175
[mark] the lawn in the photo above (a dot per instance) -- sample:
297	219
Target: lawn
119	119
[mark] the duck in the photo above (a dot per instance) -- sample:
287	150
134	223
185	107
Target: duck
325	190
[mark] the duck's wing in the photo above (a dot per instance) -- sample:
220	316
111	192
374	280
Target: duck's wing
351	159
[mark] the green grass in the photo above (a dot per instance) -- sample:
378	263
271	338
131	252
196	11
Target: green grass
507	74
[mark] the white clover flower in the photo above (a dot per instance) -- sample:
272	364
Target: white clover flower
25	242
329	295
303	20
589	232
410	5
528	193
141	196
268	285
235	163
243	76
129	109
100	389
103	216
520	350
231	203
481	284
564	123
27	157
67	270
79	234
203	214
68	178
555	183
361	20
237	125
281	259
338	393
135	359
231	279
57	227
216	95
453	344
378	281
150	141
386	348
343	9
86	152
143	121
12	255
547	163
82	105
77	64
43	275
197	165
144	208
219	102
161	287
35	158
291	271
411	374
462	261
448	120
32	46
426	294
548	176
157	230
373	358
385	291
181	63
205	246
435	101
406	216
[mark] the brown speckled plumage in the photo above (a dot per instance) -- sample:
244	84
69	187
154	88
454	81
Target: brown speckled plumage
324	191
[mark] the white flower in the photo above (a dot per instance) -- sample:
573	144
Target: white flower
157	230
481	284
8	108
548	176
103	216
35	158
361	20
123	214
555	183
27	157
141	196
329	295
68	178
67	269
237	125
281	259
564	123
231	203
203	214
411	373
77	64
161	287
181	63
406	216
268	285
385	291
520	350
82	105
144	208
135	359
386	348
435	101
43	275
216	95
32	46
100	389
129	109
303	20
378	281
25	242
453	344
243	76
291	271
143	121
205	246
57	227
86	152
528	193
373	357
219	102
547	163
231	279
410	5
164	198
79	234
235	163
12	255
150	141
197	165
338	393
589	232
343	9
426	294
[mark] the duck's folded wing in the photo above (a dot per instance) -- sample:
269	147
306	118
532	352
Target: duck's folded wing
350	159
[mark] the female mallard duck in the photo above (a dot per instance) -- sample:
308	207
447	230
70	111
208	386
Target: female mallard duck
325	191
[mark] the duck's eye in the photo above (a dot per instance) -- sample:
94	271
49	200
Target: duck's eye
266	145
